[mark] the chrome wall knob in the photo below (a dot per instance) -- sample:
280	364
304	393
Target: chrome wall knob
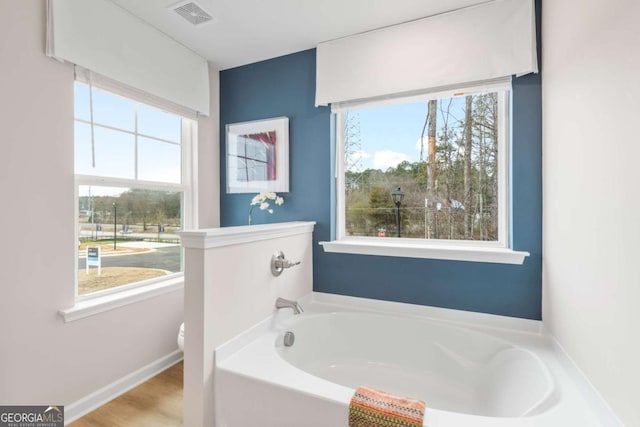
279	263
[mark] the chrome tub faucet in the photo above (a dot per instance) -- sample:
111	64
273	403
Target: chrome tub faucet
285	303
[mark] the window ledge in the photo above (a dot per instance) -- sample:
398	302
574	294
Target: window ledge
91	306
402	248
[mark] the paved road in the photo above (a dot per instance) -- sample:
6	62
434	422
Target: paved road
167	258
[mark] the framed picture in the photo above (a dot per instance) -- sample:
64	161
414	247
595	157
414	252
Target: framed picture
258	156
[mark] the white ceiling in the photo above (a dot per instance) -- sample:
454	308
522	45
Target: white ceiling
247	31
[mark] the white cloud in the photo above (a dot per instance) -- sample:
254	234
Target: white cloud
360	154
355	160
386	159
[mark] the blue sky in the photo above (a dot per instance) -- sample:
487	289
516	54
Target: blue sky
115	151
391	134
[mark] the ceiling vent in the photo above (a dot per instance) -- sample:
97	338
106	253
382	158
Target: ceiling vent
192	12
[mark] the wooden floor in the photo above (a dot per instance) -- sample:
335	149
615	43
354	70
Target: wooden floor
155	403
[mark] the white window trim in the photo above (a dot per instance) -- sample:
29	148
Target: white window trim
456	250
406	248
109	299
126	295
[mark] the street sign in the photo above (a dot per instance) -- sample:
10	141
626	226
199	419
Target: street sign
93	259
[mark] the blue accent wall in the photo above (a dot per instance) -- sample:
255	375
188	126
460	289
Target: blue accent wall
285	86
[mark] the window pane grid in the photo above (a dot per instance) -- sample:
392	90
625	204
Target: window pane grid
167	166
137	149
98	125
130	216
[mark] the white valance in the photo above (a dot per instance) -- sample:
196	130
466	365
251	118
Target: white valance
501	84
90	78
471	45
104	38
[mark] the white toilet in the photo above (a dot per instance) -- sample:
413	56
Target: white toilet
181	337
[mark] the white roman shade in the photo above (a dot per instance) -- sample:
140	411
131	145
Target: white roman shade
104	38
473	45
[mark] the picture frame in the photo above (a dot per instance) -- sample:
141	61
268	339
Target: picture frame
258	156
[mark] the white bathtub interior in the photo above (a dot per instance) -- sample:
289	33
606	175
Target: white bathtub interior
471	369
452	368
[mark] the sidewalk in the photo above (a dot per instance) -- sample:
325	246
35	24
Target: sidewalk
147	245
125	248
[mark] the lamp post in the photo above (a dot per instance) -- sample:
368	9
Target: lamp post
397	196
115	222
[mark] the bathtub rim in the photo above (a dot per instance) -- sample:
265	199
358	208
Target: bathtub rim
466	319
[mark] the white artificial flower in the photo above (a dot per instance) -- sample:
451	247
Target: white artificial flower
260	200
257	199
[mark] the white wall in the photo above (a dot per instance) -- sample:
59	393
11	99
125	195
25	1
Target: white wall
209	157
42	359
229	288
591	98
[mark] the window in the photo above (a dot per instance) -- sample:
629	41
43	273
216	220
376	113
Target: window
134	190
445	156
256	157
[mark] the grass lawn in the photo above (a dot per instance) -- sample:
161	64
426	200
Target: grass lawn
113	276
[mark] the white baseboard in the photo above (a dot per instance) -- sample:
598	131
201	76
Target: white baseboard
98	398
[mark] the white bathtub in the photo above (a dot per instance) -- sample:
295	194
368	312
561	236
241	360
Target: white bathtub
450	368
468	375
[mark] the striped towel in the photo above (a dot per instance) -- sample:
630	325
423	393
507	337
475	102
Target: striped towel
370	407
